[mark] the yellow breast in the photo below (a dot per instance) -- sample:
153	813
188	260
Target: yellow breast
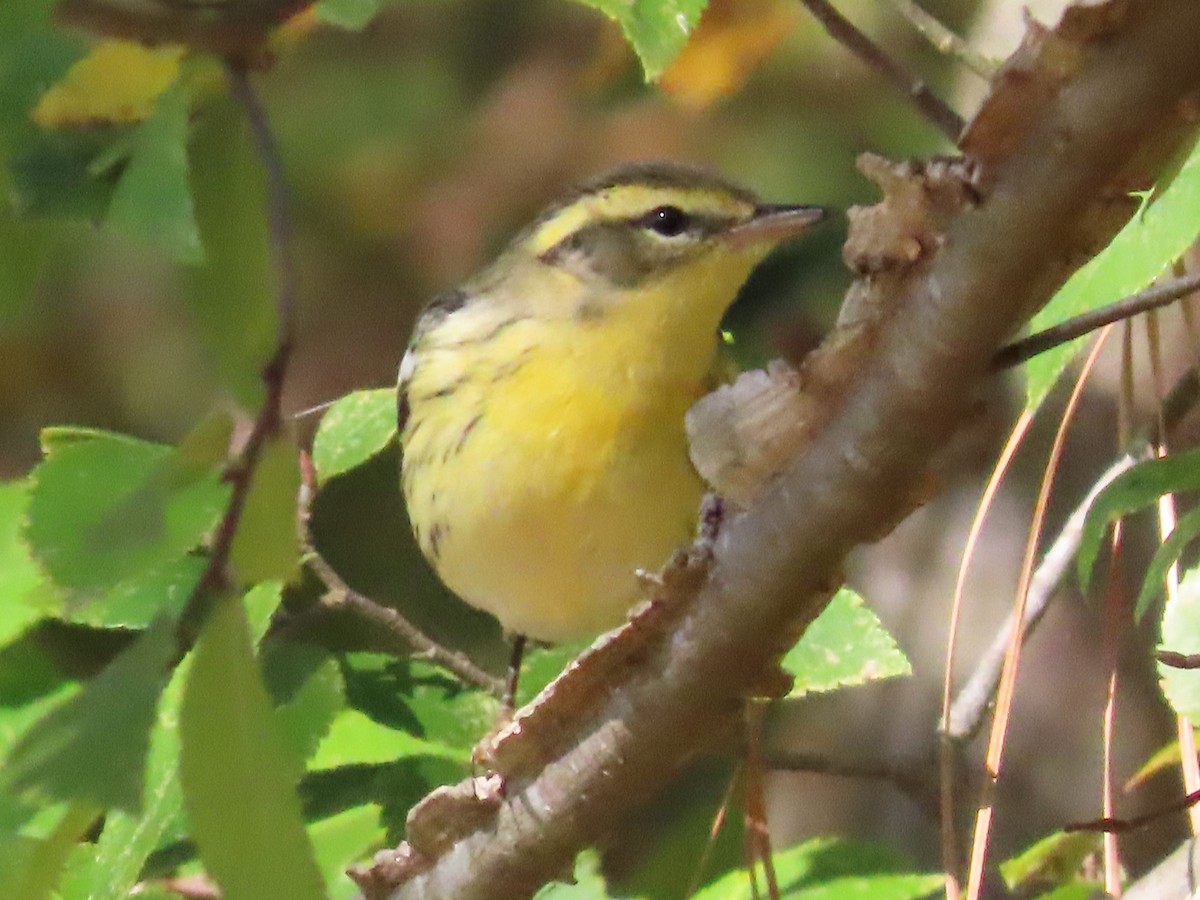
545	465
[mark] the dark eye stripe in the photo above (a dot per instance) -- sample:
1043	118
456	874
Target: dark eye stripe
668	221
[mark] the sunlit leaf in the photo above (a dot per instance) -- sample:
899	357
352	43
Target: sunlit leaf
111	507
342	840
238	781
138	600
657	29
355	428
541	665
1165	757
128	839
1167	554
846	645
828	868
353	738
587	881
266	545
303	720
1130	491
1052	860
93	747
118	81
1134	258
35	868
19	575
1181	634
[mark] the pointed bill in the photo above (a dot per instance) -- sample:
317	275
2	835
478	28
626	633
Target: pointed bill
774	222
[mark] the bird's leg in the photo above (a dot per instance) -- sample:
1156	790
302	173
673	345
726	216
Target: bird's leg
514	674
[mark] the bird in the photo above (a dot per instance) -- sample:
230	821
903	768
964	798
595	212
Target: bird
541	404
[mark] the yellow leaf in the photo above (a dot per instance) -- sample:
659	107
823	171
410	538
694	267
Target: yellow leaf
118	82
733	37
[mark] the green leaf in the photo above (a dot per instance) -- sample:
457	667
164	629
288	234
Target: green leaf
832	869
1181	634
656	29
19	575
355	739
846	645
238	781
38	864
127	839
1168	552
1134	258
52	174
232	294
266	545
93	747
341	840
1076	890
541	665
1052	860
304	720
355	428
1130	491
108	508
140	599
446	712
353	15
152	201
587	881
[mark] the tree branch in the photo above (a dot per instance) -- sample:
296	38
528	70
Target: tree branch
927	102
1057	151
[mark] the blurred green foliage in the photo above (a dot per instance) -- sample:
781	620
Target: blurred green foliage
137	297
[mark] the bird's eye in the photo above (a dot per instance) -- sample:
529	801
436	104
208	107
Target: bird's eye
668	221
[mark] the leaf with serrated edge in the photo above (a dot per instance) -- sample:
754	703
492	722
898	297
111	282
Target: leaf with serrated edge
846	645
355	429
1181	634
110	507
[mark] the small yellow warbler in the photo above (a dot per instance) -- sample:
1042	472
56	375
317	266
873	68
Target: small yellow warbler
542	403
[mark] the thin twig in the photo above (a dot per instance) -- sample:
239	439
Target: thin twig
1006	690
907	777
341	596
944	40
215	578
1158	295
972	701
1178	660
947	756
1118	826
930	105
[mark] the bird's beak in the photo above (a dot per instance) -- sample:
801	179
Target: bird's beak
772	223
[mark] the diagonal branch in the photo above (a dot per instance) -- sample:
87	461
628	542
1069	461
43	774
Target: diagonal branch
895	382
930	105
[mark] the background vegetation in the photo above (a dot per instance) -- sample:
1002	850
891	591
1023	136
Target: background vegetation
137	298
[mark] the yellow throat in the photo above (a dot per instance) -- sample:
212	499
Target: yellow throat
542	403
